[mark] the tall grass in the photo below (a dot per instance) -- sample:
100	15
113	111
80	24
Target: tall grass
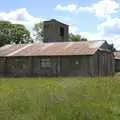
71	98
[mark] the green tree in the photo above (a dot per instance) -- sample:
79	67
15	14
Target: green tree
13	33
76	38
20	34
5	37
38	28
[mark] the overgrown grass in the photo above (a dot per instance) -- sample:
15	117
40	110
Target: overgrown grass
71	98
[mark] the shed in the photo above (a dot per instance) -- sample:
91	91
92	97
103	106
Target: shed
87	58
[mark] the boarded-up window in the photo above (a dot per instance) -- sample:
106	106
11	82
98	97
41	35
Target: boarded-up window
19	64
62	31
75	61
45	63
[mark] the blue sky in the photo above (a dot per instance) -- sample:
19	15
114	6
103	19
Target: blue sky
93	19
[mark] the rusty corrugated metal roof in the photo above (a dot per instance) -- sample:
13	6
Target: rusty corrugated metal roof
52	49
117	55
7	49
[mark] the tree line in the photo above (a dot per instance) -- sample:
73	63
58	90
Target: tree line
18	34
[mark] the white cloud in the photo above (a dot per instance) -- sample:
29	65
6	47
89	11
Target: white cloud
21	16
69	8
114	39
108	30
102	8
110	27
73	29
91	36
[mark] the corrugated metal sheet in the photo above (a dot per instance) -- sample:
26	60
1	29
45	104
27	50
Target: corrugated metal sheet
8	49
52	49
117	55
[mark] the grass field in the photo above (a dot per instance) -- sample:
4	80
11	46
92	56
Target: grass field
61	98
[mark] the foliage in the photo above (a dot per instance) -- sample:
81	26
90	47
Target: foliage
72	98
13	33
20	34
38	28
76	38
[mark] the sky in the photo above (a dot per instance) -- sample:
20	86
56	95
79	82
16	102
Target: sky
92	19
